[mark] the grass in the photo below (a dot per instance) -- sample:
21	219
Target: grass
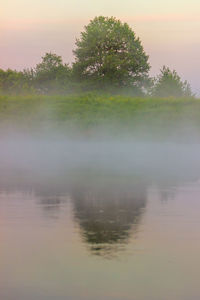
91	114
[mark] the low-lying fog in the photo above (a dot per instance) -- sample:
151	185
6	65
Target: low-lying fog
28	160
95	218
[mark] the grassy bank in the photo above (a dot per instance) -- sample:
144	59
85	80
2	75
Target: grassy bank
92	114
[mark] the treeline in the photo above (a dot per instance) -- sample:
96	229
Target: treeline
108	58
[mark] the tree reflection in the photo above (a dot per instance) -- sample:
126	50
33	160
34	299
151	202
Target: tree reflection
108	214
107	186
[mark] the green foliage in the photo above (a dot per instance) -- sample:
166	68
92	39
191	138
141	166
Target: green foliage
92	114
50	63
109	54
169	83
12	82
51	75
108	58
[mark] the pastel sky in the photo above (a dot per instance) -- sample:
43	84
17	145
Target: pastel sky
169	30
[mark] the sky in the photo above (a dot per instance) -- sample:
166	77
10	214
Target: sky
169	31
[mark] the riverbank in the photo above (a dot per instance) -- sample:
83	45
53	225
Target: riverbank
93	115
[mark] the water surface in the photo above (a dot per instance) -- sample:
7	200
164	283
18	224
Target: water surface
101	221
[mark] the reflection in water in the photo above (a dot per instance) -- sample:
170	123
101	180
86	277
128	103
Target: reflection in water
51	205
106	183
108	215
106	208
58	214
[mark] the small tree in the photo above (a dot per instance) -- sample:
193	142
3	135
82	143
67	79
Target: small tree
109	54
169	83
51	74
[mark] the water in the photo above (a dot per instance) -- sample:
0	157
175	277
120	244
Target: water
93	222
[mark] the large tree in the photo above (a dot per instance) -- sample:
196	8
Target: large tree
109	53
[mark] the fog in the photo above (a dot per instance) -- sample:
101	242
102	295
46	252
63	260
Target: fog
107	180
59	161
75	207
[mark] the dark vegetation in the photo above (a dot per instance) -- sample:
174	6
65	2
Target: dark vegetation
108	57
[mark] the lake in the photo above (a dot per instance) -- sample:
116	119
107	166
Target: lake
99	220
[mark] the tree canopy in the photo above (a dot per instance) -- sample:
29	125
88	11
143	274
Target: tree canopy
169	83
108	52
51	74
108	57
13	82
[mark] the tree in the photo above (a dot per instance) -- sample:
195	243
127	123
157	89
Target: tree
109	53
169	83
51	74
13	82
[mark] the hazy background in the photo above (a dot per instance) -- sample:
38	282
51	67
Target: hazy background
169	30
